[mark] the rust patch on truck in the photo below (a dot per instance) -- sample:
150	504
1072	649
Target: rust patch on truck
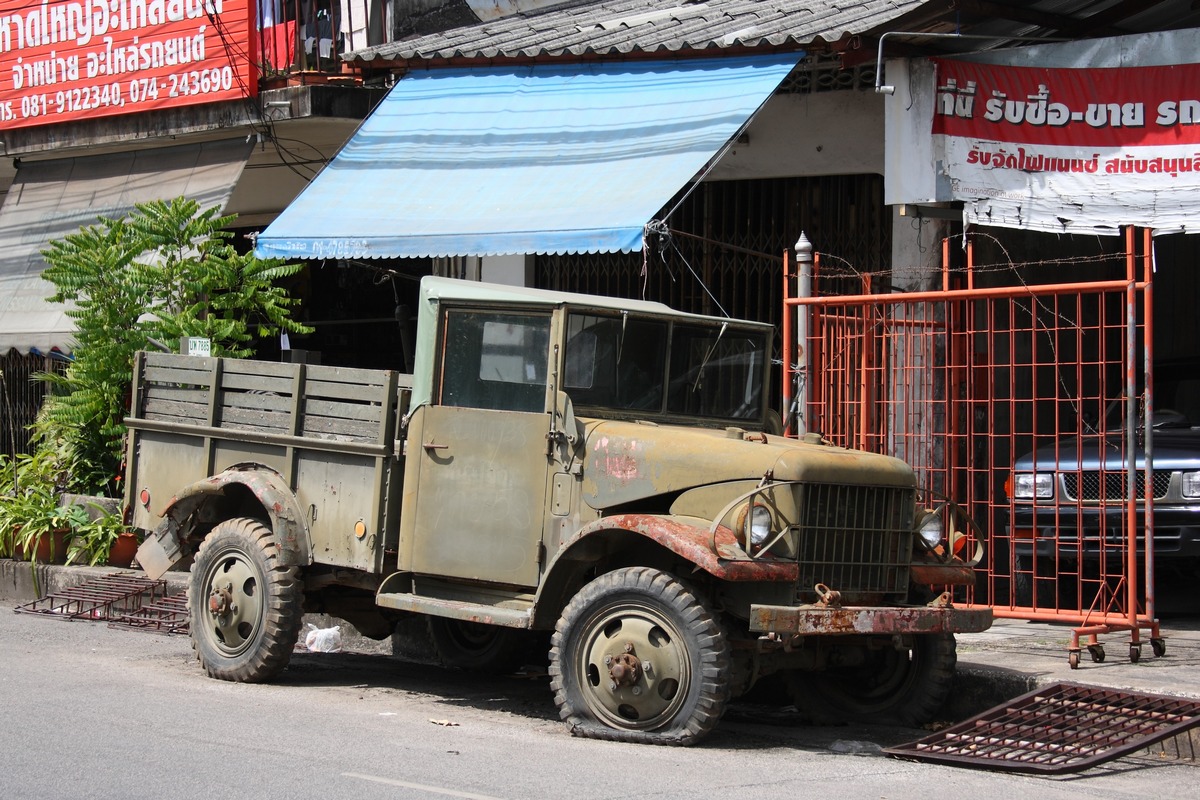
619	459
821	619
955	573
693	543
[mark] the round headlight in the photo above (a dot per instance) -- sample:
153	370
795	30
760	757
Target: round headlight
931	530
759	523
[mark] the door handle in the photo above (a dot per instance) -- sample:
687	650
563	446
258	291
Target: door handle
432	446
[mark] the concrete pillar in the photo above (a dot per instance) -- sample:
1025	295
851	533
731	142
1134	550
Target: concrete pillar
916	421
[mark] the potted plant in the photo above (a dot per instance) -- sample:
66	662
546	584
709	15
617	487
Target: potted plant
102	539
41	528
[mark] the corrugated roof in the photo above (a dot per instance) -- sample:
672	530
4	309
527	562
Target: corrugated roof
614	27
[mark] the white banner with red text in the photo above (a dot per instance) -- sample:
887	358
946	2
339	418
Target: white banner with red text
1070	150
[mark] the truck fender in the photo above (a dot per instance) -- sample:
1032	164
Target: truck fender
161	550
690	539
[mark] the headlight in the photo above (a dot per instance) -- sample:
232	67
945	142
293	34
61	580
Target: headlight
1191	484
1031	485
755	520
931	531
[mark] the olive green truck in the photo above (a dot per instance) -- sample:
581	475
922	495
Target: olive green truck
597	470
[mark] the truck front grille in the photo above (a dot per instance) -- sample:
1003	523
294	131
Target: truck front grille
854	539
1087	485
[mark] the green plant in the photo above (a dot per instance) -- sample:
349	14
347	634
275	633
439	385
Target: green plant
94	537
166	271
36	515
29	486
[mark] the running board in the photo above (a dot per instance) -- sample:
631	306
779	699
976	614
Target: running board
405	592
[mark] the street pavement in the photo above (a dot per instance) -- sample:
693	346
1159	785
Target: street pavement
1011	658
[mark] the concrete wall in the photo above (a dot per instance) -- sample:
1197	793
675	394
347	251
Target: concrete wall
829	133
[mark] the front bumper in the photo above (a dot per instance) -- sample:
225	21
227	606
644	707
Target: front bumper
1073	533
828	620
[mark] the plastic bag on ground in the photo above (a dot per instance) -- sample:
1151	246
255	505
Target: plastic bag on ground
323	640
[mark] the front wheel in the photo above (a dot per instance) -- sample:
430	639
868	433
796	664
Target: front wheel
894	684
245	607
638	657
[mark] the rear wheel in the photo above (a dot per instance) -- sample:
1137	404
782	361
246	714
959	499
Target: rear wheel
637	657
478	647
245	607
894	685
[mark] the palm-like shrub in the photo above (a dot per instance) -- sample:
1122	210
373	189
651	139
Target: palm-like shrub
168	270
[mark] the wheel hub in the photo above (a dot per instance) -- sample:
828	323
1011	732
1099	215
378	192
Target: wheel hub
625	669
220	601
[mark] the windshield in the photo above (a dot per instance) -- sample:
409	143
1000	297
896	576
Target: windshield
623	362
1176	405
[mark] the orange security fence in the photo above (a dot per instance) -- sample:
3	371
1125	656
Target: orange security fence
1024	403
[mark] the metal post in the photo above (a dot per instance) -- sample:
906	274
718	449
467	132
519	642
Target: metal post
786	348
1148	370
804	275
1131	433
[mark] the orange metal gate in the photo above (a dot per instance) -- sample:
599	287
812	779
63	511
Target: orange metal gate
994	393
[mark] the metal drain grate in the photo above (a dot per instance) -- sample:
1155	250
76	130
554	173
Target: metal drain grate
107	597
1062	728
168	615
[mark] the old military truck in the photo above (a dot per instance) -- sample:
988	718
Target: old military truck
597	468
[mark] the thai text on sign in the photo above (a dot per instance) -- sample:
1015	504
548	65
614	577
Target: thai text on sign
1087	149
62	61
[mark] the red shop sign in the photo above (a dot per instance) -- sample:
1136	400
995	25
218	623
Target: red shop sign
65	60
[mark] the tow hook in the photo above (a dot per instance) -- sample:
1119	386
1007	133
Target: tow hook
625	670
828	597
943	600
220	601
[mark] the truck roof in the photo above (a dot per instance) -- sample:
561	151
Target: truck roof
435	290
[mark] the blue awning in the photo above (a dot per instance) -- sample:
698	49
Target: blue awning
522	159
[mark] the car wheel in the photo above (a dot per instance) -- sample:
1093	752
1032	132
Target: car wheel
637	657
245	607
903	686
1044	590
478	647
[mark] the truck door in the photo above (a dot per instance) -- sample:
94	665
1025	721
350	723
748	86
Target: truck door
480	446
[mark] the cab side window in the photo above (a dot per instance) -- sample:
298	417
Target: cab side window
494	360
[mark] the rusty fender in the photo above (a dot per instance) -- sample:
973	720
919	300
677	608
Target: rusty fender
694	543
271	490
931	573
822	619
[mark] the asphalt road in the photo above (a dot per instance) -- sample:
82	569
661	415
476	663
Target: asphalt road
94	712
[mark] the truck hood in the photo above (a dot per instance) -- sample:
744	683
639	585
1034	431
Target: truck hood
1174	449
628	461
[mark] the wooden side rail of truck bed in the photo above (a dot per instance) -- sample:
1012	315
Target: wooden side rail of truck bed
268	402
